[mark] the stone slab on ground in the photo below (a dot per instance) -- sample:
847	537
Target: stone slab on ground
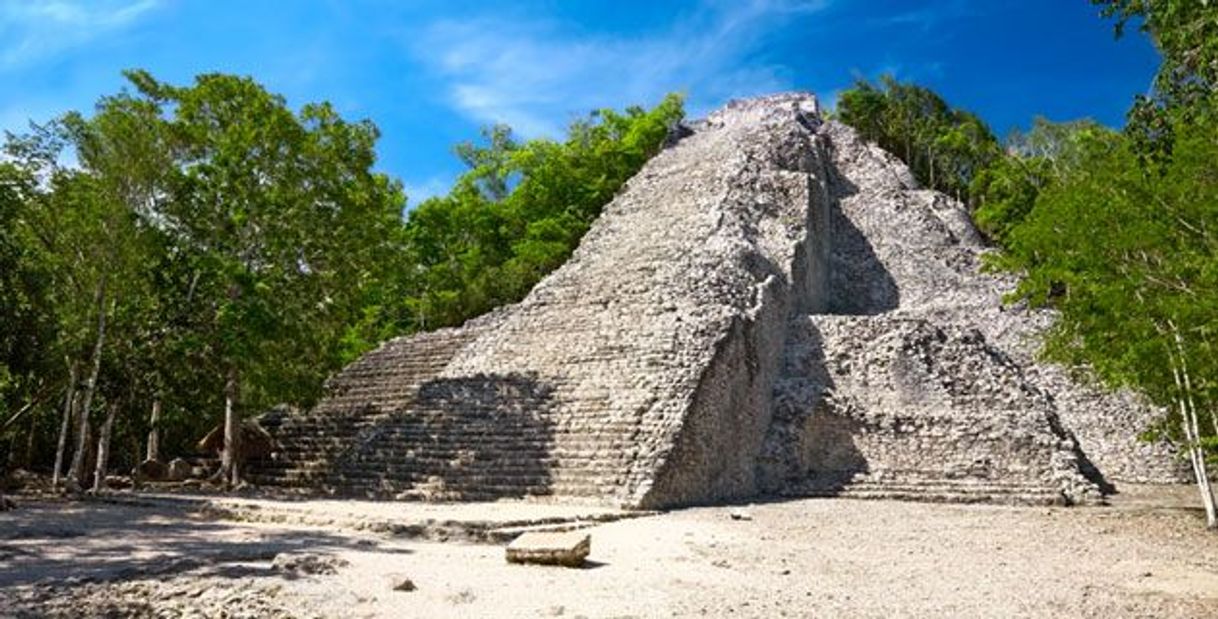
568	548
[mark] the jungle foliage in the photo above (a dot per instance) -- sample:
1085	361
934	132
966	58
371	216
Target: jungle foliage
211	252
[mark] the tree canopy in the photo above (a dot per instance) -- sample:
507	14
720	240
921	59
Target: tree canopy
211	251
944	147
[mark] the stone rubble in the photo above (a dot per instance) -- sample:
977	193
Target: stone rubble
921	383
178	470
401	583
306	564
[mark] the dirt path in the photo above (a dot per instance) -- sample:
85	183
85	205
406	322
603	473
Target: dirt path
1142	557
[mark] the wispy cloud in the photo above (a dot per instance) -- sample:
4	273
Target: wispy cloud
34	29
534	75
417	193
931	15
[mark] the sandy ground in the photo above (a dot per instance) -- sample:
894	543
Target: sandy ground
1147	555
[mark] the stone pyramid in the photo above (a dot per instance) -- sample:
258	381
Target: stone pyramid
771	306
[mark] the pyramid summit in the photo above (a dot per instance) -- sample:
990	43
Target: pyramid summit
770	306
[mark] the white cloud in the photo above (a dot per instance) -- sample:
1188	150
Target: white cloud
536	75
34	29
417	193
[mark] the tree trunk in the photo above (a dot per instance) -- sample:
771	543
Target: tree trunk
68	399
27	458
1192	431
230	462
1197	458
80	455
154	432
103	450
82	444
930	159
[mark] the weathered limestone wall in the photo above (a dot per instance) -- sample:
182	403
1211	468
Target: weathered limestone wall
640	372
919	375
661	336
901	400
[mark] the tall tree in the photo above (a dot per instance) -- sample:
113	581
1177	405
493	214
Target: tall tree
1130	259
27	331
284	223
1004	193
86	241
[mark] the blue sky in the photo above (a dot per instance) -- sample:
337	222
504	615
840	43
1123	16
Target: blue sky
430	73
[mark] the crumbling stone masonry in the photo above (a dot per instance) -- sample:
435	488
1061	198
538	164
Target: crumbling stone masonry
769	306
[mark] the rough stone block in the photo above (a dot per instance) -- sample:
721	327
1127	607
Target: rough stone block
568	549
151	470
178	470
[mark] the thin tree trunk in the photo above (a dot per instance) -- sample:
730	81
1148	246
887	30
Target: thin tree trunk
68	399
103	450
82	444
154	432
1192	433
230	462
930	159
80	451
28	456
76	472
1203	476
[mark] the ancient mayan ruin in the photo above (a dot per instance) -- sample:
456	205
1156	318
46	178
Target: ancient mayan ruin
770	307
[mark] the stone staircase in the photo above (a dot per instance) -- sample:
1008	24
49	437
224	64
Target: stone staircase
928	487
393	426
360	397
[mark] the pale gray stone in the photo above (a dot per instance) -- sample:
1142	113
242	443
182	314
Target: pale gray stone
397	582
568	548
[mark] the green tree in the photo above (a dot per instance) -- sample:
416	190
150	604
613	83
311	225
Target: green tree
284	224
27	331
1130	259
1004	193
83	233
944	147
514	216
1186	33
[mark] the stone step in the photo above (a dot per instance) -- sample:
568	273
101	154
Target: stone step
940	491
381	432
943	497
